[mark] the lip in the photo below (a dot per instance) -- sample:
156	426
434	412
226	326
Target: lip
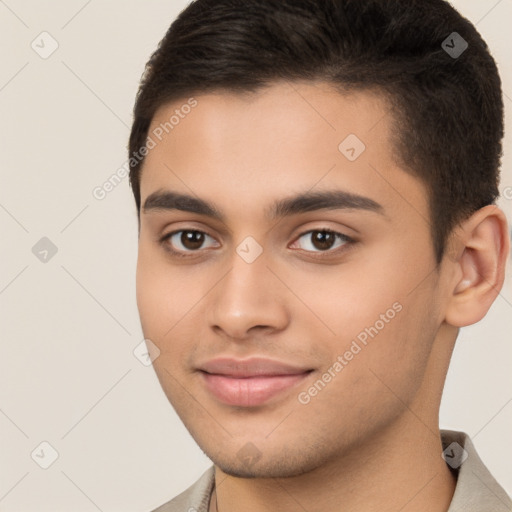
250	382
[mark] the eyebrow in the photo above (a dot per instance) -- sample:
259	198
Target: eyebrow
165	200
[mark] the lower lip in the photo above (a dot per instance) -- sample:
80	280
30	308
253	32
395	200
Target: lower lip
250	391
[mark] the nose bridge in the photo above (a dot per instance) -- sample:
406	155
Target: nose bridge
247	281
248	295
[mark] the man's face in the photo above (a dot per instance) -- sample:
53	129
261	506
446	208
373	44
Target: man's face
282	346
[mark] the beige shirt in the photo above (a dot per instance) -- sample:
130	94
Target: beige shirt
476	489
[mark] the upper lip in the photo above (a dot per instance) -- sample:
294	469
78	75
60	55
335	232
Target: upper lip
253	367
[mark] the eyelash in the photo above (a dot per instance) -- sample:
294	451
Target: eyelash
348	241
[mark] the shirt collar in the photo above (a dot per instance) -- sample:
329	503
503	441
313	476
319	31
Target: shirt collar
476	489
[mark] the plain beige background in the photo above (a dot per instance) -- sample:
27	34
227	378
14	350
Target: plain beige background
69	325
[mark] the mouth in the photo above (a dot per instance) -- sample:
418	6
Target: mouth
250	382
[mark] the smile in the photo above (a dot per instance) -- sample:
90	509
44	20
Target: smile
249	383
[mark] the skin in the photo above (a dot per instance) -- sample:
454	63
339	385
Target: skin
370	438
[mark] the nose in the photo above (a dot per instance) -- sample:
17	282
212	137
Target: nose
249	298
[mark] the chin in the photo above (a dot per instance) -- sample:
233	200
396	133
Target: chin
284	466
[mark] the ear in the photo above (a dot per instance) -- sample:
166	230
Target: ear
481	246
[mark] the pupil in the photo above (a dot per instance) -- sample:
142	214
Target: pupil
323	240
192	239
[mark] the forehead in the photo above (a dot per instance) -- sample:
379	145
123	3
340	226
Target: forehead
291	116
289	137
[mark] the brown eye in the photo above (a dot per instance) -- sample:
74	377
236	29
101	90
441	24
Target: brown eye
322	240
192	239
186	240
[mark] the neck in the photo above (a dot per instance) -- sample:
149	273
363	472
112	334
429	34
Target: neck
401	469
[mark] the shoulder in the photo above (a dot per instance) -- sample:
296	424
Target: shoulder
194	499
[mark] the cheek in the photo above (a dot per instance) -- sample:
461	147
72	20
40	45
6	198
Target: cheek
349	297
374	311
376	376
161	299
160	309
148	294
168	300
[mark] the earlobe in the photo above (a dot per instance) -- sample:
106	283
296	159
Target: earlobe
479	270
